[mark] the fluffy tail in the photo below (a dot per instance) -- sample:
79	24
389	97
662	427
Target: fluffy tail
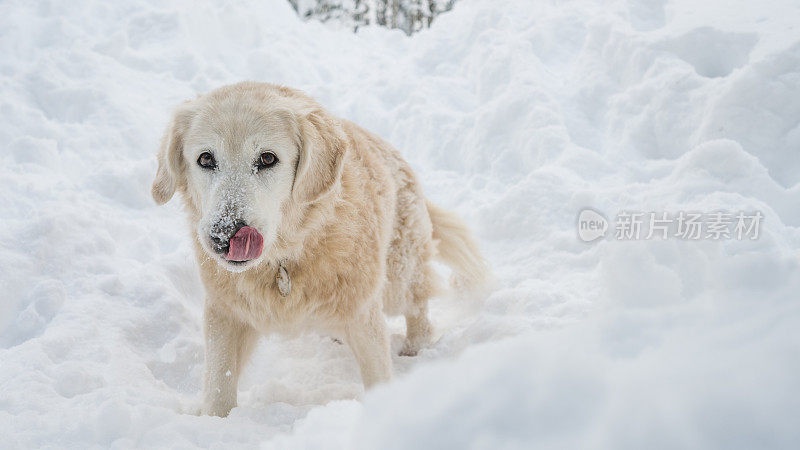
458	249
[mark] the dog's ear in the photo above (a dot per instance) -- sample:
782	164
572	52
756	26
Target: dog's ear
170	172
321	158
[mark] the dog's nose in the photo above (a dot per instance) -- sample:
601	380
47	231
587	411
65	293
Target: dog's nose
219	245
221	234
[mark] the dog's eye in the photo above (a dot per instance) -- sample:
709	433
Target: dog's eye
206	161
266	160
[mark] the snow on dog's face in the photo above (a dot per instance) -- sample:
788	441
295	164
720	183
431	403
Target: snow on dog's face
242	155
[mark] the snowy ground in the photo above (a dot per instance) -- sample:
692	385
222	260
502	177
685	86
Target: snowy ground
515	113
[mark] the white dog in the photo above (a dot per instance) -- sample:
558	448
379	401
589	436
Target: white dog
303	222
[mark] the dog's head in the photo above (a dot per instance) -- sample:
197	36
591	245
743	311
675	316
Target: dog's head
242	156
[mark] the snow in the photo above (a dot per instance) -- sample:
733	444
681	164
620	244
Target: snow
518	115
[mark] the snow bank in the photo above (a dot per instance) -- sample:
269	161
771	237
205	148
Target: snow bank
517	114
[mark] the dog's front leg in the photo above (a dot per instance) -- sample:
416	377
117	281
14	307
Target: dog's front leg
368	338
229	343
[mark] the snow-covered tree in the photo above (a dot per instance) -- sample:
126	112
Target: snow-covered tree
407	15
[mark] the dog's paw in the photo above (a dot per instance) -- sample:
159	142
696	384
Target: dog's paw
216	411
412	348
408	352
423	338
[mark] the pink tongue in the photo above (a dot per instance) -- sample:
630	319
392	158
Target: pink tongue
245	245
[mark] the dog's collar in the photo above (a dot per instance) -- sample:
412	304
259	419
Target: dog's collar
283	280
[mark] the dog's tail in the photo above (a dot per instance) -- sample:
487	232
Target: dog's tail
457	248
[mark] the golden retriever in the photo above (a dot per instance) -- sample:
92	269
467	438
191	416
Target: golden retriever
302	221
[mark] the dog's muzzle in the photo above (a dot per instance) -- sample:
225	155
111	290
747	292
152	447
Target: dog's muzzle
221	234
237	242
245	245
